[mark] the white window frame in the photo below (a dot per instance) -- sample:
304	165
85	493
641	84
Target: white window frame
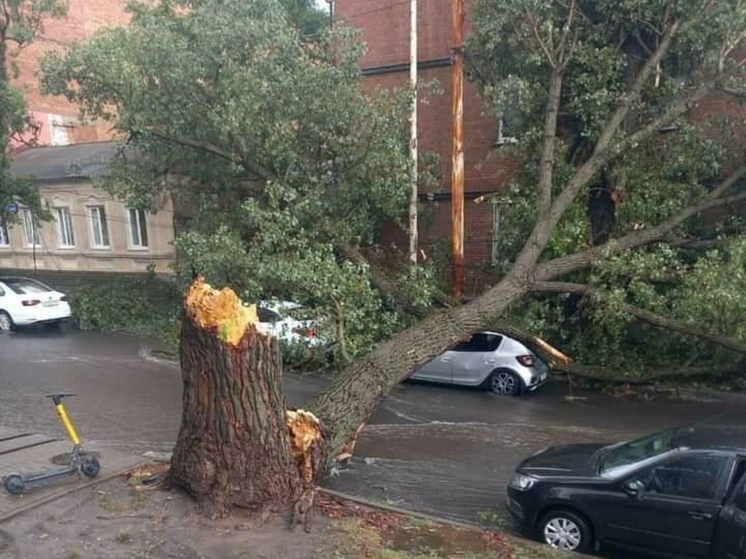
94	216
31	230
65	229
503	140
4	235
137	222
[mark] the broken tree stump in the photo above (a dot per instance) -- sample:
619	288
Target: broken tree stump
236	442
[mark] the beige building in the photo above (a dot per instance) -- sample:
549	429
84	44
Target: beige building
90	231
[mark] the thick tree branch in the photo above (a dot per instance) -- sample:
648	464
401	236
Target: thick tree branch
580	260
252	167
610	376
546	164
648	316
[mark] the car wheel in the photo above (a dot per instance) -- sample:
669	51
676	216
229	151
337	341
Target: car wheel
6	323
566	530
505	383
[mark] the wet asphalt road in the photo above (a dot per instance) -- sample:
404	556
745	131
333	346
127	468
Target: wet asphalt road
434	449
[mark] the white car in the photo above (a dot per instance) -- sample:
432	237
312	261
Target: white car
25	301
489	359
289	322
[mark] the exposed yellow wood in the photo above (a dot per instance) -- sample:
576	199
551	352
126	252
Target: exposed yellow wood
305	431
221	310
553	351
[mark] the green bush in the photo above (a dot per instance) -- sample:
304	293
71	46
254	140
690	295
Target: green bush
144	306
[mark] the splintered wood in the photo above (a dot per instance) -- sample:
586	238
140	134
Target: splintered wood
220	310
305	437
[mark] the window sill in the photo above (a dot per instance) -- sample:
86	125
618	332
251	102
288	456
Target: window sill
101	248
138	249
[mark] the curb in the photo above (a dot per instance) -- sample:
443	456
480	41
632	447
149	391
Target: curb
399	510
64	493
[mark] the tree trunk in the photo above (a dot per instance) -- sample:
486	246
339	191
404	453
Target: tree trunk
238	446
354	394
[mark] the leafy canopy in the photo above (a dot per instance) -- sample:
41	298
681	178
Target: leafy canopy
664	156
267	143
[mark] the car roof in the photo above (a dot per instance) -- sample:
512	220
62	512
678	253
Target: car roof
711	437
16	278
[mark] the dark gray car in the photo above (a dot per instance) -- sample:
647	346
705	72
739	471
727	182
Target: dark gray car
490	359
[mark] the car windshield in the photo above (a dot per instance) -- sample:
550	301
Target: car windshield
633	452
26	286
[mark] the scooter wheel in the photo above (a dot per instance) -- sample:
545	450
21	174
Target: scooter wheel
90	467
14	484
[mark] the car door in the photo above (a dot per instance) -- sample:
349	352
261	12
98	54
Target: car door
730	534
437	369
473	362
7	299
671	507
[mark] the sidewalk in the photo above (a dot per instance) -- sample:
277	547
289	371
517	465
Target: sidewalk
26	453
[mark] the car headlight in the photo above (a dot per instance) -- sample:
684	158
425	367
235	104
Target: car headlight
523	482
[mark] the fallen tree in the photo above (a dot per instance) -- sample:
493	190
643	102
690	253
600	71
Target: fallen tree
327	174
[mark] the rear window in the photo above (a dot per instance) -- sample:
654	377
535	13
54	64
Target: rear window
481	342
26	286
266	315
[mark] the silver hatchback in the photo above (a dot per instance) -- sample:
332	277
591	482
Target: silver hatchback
499	363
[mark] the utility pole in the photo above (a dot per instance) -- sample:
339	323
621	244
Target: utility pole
457	156
413	198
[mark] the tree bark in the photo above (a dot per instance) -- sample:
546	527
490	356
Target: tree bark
238	446
609	376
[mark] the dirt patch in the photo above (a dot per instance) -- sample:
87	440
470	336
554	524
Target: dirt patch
128	519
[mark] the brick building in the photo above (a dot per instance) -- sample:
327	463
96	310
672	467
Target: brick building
488	168
57	120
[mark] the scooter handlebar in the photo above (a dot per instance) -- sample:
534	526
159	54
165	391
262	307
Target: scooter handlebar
57	397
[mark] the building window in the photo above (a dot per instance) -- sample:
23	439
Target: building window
138	229
65	236
495	237
30	228
503	133
99	227
4	236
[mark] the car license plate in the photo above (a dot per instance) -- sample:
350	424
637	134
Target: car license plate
49	304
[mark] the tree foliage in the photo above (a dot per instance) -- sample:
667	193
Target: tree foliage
620	84
20	22
265	140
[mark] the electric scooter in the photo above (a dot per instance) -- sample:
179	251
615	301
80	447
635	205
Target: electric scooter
80	462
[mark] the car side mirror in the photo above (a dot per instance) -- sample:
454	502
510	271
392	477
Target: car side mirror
633	488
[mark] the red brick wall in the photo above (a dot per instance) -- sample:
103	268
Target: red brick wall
385	29
83	19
